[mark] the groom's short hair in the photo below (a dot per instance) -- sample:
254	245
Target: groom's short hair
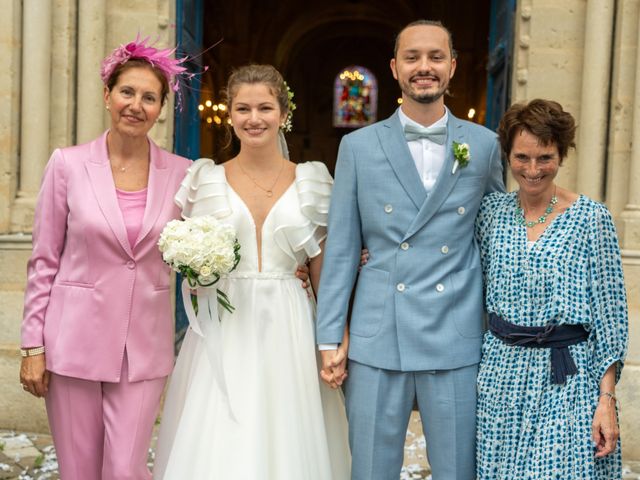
430	23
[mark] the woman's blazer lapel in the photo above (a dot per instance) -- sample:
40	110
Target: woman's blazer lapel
157	193
104	189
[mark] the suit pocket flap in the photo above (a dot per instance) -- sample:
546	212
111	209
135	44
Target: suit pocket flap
71	283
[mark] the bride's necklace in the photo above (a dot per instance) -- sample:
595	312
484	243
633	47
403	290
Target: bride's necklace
521	220
268	191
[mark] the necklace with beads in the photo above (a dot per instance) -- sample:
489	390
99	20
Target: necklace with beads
521	220
267	191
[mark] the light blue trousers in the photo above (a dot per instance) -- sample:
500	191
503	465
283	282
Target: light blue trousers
379	404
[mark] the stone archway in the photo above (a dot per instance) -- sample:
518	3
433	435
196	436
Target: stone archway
309	45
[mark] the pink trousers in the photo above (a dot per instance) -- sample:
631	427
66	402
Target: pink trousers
102	431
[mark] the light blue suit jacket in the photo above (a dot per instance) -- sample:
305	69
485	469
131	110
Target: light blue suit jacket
419	300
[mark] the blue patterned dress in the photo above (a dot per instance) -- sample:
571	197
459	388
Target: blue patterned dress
529	428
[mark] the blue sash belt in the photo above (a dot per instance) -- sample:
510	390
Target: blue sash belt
556	337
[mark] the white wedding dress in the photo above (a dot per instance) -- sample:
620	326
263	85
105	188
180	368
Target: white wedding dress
277	421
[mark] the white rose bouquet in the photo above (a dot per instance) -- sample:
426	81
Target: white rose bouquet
201	249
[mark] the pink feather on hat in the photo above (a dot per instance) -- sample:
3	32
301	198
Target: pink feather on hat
162	59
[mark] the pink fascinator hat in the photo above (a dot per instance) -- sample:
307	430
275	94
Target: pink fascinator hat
161	59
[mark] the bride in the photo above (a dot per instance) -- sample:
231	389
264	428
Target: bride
262	412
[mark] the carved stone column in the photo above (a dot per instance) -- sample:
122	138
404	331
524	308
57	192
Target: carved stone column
630	218
92	29
35	108
595	98
10	58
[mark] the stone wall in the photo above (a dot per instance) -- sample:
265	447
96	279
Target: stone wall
563	51
52	96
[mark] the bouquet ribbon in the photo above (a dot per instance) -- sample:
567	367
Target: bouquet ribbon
206	324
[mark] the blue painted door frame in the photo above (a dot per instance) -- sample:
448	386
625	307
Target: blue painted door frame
500	65
189	29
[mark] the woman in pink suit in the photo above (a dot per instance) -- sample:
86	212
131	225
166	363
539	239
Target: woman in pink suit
97	333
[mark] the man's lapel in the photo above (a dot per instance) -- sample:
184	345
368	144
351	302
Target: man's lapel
104	189
446	179
395	147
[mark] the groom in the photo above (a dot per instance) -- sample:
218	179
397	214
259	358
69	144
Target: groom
416	326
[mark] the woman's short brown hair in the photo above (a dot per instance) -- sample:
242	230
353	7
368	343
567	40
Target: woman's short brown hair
544	119
139	63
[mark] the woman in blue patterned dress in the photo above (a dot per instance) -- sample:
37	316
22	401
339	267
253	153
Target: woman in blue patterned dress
557	312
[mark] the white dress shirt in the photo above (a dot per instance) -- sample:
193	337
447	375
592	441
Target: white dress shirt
427	155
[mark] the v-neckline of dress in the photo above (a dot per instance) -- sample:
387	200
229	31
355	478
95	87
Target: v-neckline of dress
266	218
552	225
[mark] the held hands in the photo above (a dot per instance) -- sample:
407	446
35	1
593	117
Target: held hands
334	363
604	429
34	376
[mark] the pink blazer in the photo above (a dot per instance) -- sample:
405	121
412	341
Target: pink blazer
89	293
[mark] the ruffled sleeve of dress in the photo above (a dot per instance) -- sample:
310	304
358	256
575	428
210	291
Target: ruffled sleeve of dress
302	239
204	191
608	300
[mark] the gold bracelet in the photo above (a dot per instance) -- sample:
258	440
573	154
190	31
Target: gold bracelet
31	352
611	396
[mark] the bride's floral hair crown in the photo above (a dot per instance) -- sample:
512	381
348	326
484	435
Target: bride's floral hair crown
292	106
160	59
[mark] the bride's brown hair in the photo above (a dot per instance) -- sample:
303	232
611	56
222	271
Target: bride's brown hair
255	74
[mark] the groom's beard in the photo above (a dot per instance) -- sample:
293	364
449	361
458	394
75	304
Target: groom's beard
424	97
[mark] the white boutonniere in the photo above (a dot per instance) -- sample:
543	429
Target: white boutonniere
462	154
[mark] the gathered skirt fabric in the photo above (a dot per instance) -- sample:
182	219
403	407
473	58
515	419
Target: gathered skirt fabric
529	427
286	424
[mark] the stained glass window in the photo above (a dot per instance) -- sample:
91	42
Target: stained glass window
355	97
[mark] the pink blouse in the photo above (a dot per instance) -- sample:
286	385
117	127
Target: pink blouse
132	205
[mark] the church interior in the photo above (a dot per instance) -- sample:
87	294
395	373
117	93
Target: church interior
334	55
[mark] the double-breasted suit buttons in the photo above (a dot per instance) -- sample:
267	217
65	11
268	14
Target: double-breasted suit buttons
444	249
400	287
461	210
388	208
440	288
